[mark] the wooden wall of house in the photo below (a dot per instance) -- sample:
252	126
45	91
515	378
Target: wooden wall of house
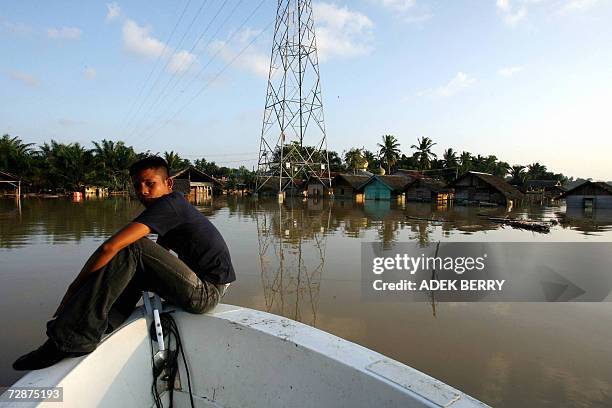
376	190
596	201
590	190
343	191
479	194
316	190
419	194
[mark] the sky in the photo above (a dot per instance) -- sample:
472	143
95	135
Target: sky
525	80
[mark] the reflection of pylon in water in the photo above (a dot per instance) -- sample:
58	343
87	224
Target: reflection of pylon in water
292	257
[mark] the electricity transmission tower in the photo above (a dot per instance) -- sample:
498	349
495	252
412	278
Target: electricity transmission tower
293	144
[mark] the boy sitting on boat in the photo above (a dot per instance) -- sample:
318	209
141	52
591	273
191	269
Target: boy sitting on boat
112	280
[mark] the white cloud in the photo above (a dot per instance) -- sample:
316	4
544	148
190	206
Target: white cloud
136	39
17	28
397	5
578	5
181	61
460	82
509	14
341	32
24	78
509	71
90	73
113	11
407	11
64	33
258	62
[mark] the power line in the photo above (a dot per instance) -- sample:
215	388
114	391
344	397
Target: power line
170	59
165	123
178	76
129	114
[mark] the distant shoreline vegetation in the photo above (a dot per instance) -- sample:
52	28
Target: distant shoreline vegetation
54	166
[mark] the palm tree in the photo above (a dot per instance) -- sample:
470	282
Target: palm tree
501	168
465	162
14	154
370	158
354	159
423	153
175	162
535	170
389	151
450	158
112	163
517	174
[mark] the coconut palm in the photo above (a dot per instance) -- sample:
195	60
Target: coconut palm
14	154
501	169
517	174
389	152
175	162
450	158
354	159
535	170
465	162
423	153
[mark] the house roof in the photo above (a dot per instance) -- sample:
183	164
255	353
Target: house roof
496	182
354	180
6	176
395	183
434	185
600	184
542	183
193	174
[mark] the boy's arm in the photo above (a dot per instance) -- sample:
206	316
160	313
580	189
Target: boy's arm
122	238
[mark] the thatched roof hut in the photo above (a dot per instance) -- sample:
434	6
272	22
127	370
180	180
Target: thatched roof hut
478	188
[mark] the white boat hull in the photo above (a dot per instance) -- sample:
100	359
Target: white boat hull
241	357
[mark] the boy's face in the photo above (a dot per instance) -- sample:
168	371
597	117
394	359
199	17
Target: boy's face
151	184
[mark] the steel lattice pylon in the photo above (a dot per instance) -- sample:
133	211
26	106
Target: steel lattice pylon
293	142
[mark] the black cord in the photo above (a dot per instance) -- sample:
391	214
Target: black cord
170	327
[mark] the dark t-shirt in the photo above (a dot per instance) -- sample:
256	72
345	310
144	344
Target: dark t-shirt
186	231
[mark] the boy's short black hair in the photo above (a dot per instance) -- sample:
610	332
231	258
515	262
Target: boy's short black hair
150	162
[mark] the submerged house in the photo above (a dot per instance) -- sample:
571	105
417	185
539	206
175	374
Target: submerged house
590	194
195	183
545	188
98	191
484	188
428	189
319	187
384	187
10	182
271	186
347	185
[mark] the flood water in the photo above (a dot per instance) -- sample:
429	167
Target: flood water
301	259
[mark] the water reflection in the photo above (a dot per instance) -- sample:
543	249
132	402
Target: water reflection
292	243
586	220
300	259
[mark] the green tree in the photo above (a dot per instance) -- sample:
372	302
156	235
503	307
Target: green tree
465	162
175	162
112	161
518	174
535	171
450	158
423	154
389	152
15	156
355	160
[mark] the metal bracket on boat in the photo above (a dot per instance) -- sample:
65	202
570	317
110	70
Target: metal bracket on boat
152	310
